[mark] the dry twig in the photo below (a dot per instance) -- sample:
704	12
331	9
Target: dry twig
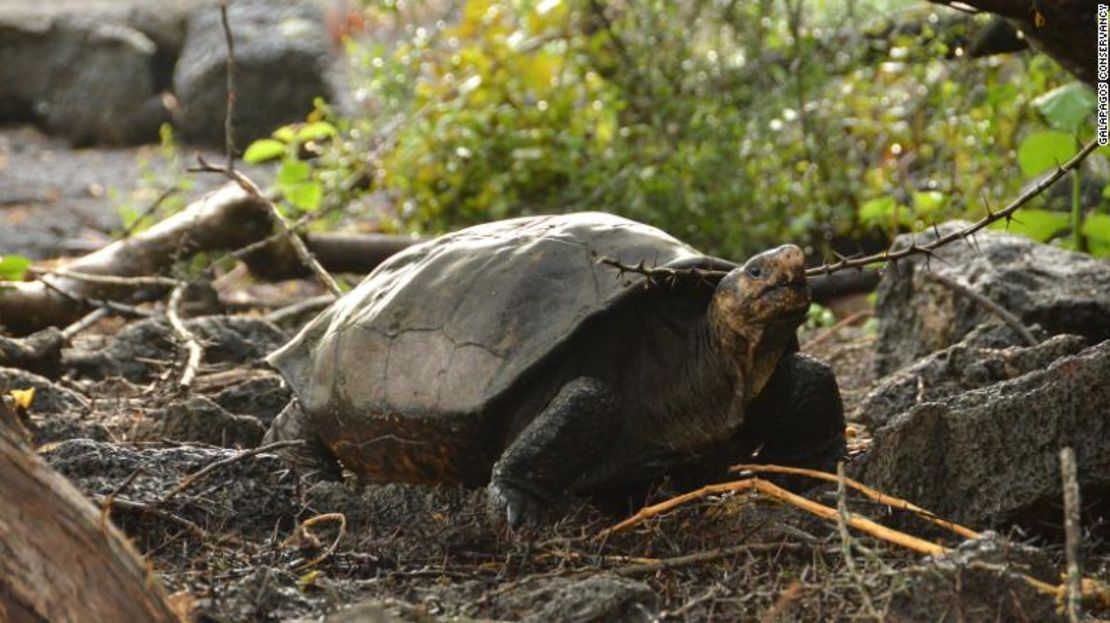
1072	535
878	496
846	543
1013	321
256	193
229	125
301	532
757	484
192	345
191	479
708	556
106	505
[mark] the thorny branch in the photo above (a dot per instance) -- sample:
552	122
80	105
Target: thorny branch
669	275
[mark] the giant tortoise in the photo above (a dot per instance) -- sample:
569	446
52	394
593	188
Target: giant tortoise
507	354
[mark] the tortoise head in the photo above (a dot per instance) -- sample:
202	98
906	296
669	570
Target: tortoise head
757	309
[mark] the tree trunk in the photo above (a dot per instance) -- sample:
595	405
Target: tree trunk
58	561
1062	29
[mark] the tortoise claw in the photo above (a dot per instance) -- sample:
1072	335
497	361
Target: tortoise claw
520	507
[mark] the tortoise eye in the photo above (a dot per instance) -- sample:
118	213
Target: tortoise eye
755	271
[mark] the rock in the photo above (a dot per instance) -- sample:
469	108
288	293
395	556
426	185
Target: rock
136	351
989	456
602	597
40	352
987	355
89	81
282	56
200	420
262	398
49	398
1060	290
980	581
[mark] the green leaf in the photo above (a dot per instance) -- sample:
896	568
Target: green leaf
13	267
1065	108
285	134
1040	225
928	202
877	211
304	195
293	171
315	131
1045	150
1096	228
264	149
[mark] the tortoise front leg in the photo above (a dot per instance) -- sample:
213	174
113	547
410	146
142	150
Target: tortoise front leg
564	442
799	419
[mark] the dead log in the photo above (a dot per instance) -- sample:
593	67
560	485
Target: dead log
226	218
1062	29
58	560
337	252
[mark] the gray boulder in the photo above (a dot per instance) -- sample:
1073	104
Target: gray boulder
1062	291
989	456
989	354
90	81
283	57
199	420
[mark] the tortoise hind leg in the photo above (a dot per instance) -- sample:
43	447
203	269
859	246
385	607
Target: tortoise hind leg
564	442
798	419
313	456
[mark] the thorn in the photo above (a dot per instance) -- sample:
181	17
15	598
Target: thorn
931	254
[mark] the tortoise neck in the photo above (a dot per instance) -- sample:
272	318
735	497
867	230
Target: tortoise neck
751	353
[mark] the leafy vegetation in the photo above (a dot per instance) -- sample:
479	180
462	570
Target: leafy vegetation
733	125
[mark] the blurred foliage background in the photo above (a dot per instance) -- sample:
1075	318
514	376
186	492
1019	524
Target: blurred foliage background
734	125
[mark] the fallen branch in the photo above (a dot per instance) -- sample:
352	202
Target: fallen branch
336	252
226	218
256	193
1091	590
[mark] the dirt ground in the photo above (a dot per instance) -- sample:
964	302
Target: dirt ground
253	542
